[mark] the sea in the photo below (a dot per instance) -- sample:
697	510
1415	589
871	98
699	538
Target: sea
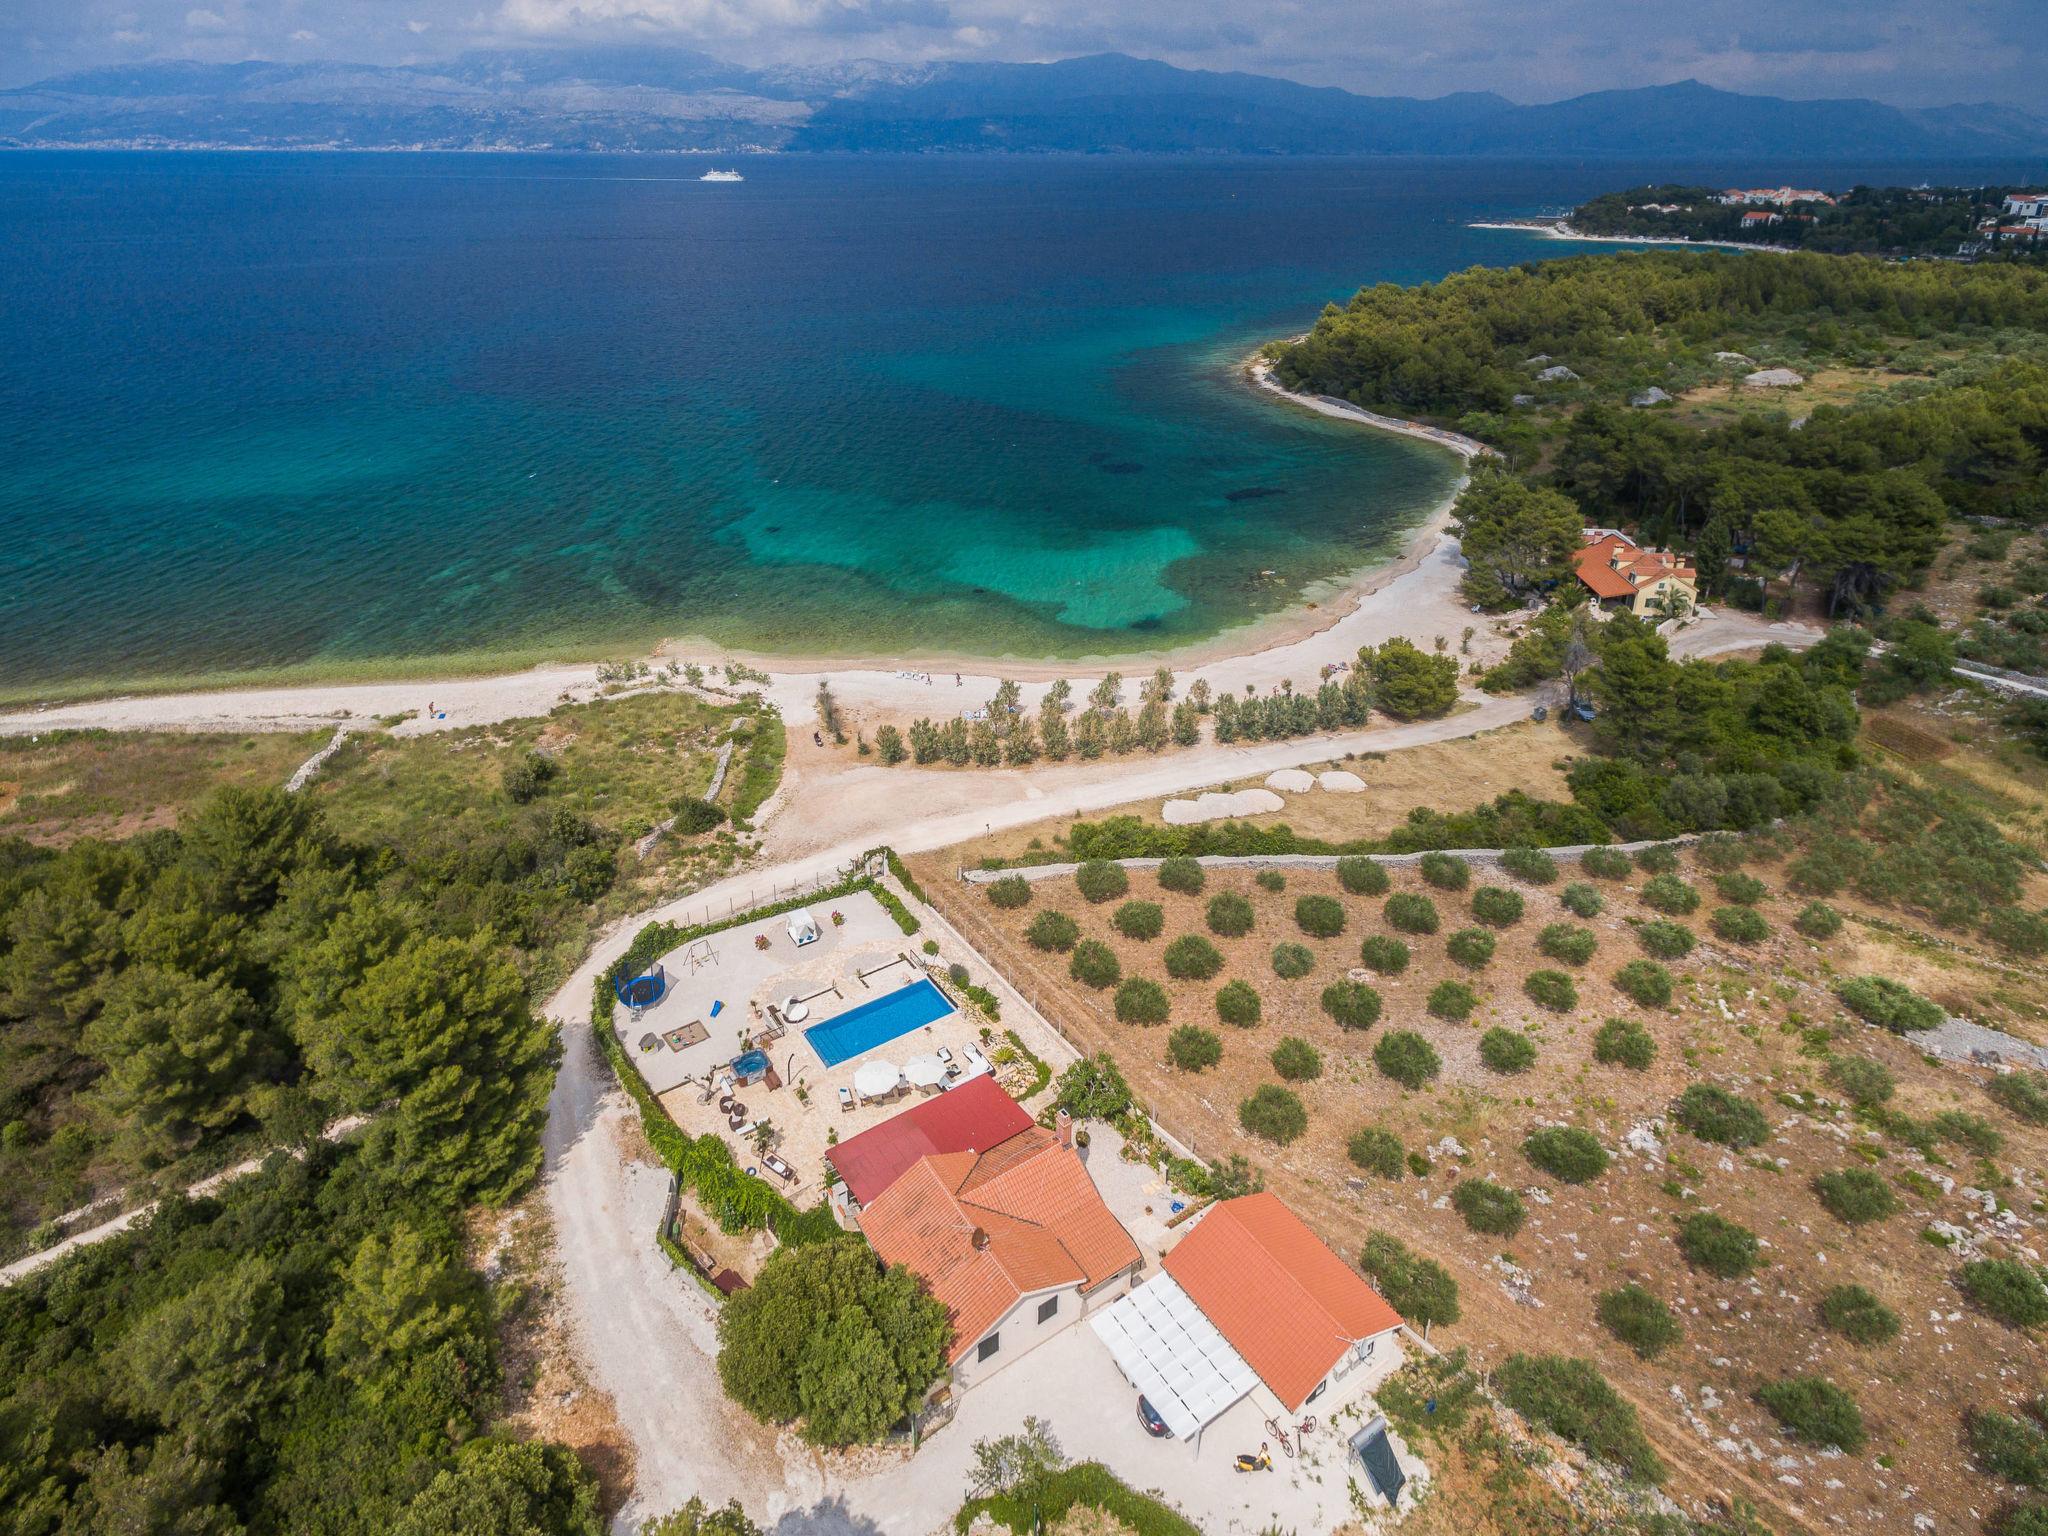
276	415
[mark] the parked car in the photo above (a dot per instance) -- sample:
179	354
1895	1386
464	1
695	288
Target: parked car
1584	711
1148	1416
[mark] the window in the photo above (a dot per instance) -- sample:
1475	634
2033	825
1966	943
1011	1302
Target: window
988	1346
1048	1308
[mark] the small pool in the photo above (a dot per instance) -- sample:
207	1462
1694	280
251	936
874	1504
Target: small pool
877	1022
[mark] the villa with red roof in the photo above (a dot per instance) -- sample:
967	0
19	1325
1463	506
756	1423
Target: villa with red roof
1620	573
996	1214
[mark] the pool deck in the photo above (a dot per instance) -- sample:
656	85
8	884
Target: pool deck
829	972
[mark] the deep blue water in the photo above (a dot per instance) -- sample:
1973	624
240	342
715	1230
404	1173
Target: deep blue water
877	1022
280	410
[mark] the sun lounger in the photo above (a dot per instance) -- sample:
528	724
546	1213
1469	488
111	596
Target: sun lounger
845	1097
779	1168
945	1054
744	1131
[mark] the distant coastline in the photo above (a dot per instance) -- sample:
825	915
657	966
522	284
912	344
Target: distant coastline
1559	229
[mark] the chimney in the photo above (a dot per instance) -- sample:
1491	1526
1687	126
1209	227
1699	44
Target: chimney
1064	1126
979	1239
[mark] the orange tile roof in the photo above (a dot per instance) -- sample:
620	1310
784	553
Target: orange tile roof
1042	1221
1285	1302
1613	566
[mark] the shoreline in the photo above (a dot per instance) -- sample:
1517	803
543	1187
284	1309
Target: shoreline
1264	650
1558	229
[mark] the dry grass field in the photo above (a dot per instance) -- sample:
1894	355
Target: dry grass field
1758	1020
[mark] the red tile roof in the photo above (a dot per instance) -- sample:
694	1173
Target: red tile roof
1285	1302
986	1229
1614	566
973	1117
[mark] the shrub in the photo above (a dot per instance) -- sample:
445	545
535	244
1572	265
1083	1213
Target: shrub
1818	920
1865	1083
2010	1446
1445	871
2025	1094
1489	1207
1503	1050
1717	1245
2008	1289
2023	1520
1624	1043
1297	1061
1141	1000
1052	931
1553	990
1009	893
1386	955
1566	1152
1291	962
1237	1002
1816	1411
1712	1113
1495	907
1320	917
1740	925
1567	942
1094	964
1361	876
1192	958
1855	1196
1274	1114
1138	919
2017	930
1470	947
1888	1004
1530	864
1659	860
1407	1058
1230	915
1420	1289
1582	900
1645	982
525	780
1376	1151
1858	1316
1184	876
1452	1000
1099	880
1606	863
1665	940
1740	889
1721	852
1572	1400
1973	1133
1353	1004
1638	1319
1192	1048
1671	895
1270	880
1408	912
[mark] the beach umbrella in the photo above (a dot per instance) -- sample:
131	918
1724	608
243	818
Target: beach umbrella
925	1071
876	1079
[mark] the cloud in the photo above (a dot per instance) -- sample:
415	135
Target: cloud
205	21
303	36
128	37
416	26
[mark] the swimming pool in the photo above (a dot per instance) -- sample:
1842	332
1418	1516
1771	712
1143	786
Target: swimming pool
877	1022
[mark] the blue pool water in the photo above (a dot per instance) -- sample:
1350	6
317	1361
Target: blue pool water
878	1022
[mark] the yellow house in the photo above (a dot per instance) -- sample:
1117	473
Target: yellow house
1650	583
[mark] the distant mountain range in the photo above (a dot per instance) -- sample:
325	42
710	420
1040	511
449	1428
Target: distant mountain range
673	99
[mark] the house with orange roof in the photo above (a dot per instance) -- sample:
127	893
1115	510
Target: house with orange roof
1013	1240
1252	1304
1621	574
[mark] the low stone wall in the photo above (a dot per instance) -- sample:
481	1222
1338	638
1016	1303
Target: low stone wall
1321	860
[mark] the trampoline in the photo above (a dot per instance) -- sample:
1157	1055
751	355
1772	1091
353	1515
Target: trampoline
642	991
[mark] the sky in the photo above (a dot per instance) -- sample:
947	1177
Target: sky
1907	52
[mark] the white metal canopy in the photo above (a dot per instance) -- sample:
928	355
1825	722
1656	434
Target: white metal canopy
1173	1355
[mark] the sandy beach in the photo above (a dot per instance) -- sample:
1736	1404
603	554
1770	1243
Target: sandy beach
1557	229
1413	595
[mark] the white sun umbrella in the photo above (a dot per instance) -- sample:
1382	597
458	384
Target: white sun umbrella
925	1071
875	1079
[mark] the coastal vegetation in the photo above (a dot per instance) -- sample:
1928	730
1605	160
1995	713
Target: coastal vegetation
1864	221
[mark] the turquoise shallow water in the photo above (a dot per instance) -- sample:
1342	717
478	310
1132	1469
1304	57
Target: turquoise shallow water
264	411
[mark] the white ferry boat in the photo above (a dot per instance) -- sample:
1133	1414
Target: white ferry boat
721	176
